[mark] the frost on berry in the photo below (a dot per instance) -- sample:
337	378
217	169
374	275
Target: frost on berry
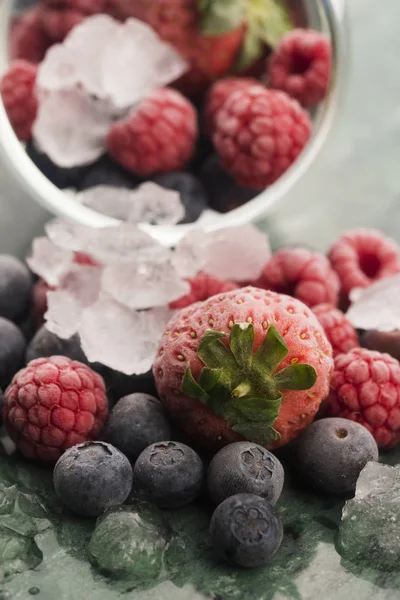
377	307
79	289
71	127
48	261
121	339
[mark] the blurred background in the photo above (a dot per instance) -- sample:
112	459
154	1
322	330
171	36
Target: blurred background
356	179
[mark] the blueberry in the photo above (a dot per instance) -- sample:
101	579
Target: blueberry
382	341
332	452
245	530
120	385
91	477
244	467
15	287
61	177
106	172
169	473
193	195
12	351
135	422
222	191
45	343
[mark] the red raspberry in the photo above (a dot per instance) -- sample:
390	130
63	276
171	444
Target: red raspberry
28	39
365	387
259	134
301	66
17	88
219	94
59	17
202	287
363	256
339	331
159	136
303	274
53	404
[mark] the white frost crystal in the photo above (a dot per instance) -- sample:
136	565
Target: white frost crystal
370	526
377	307
48	261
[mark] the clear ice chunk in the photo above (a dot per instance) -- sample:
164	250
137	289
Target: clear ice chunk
377	307
370	526
137	62
120	338
79	289
154	204
142	283
108	200
48	261
190	255
58	71
71	127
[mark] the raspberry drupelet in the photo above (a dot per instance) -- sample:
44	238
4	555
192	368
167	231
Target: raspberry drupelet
301	66
338	329
157	137
259	133
53	404
17	88
365	387
303	274
362	256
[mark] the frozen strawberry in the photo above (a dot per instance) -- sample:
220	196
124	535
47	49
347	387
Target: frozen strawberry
219	94
301	273
301	66
338	329
53	404
362	256
365	388
17	88
259	133
214	37
247	364
28	39
202	287
157	137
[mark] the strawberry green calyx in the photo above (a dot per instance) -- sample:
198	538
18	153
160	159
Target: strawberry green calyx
243	387
221	16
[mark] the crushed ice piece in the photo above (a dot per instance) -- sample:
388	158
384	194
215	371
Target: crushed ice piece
58	71
136	62
156	205
122	339
48	261
79	289
144	283
190	255
69	236
377	307
71	127
370	526
9	446
115	202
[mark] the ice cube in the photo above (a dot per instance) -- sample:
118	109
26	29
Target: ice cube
108	200
69	236
48	261
58	71
377	306
142	283
370	526
79	289
120	338
137	62
154	204
71	127
191	253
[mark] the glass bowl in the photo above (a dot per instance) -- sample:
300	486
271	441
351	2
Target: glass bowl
323	15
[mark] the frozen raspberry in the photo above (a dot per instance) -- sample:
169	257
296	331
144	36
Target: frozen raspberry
339	331
303	274
219	94
202	287
53	404
365	387
28	39
363	256
259	133
301	66
17	88
59	17
159	136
